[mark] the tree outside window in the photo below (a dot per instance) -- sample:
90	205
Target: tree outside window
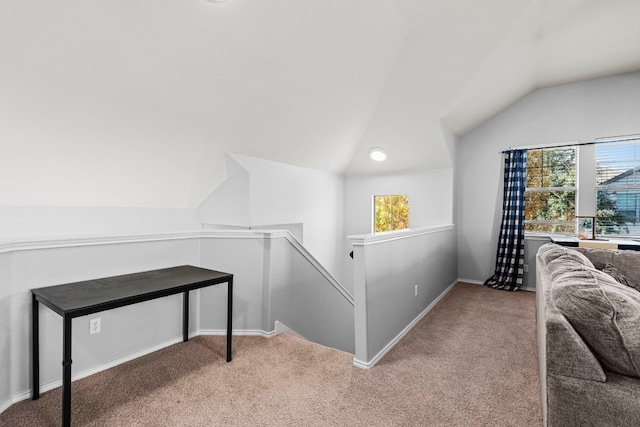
551	188
550	195
390	213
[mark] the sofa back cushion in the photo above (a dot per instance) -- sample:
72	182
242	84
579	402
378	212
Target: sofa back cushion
554	253
628	262
619	276
605	313
561	260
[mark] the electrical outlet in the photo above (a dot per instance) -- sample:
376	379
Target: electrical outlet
416	290
526	268
94	326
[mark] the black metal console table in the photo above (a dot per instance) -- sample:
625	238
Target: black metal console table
92	296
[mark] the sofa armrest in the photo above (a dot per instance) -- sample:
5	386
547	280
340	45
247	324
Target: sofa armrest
567	354
560	348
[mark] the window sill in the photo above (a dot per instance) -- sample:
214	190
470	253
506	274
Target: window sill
572	241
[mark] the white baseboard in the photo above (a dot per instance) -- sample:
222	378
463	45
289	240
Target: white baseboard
281	328
473	282
7	403
368	365
58	383
477	282
236	332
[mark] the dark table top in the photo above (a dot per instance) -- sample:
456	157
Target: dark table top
90	296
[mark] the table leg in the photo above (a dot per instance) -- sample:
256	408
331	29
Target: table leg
35	347
66	373
185	316
229	318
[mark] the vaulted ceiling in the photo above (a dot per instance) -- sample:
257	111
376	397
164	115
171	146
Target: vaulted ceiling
135	102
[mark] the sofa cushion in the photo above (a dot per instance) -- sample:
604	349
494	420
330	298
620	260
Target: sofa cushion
552	252
606	315
565	265
560	259
624	260
619	276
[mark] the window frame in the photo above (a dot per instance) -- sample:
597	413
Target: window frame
587	186
552	189
391	221
632	168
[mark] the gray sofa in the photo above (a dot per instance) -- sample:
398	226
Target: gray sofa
588	331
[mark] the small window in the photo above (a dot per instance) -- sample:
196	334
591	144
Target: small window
390	213
550	195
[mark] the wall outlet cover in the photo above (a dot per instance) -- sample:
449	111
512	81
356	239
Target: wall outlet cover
94	326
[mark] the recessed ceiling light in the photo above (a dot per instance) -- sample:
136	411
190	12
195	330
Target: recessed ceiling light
378	154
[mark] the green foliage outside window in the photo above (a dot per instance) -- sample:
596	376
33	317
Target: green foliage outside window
550	197
390	213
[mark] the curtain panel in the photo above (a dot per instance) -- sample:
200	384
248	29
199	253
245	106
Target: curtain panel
509	269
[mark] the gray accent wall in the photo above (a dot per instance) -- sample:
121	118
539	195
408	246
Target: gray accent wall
275	279
397	279
531	246
125	331
301	298
580	111
6	334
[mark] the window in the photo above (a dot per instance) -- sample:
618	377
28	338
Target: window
608	184
550	194
390	213
618	188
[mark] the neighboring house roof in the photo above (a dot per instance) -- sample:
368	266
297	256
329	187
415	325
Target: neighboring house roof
621	176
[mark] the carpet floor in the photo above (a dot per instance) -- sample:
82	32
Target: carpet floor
471	361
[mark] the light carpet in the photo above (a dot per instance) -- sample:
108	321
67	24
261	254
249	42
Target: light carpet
471	361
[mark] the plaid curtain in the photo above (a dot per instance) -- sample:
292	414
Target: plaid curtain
510	257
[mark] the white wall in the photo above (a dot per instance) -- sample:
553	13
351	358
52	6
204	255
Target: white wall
430	202
430	198
229	204
45	221
282	194
579	111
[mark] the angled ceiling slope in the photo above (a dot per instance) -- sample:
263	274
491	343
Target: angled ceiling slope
159	90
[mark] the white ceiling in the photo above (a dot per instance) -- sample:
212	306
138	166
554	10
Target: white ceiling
135	102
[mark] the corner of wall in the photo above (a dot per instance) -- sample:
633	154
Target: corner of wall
229	204
453	145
